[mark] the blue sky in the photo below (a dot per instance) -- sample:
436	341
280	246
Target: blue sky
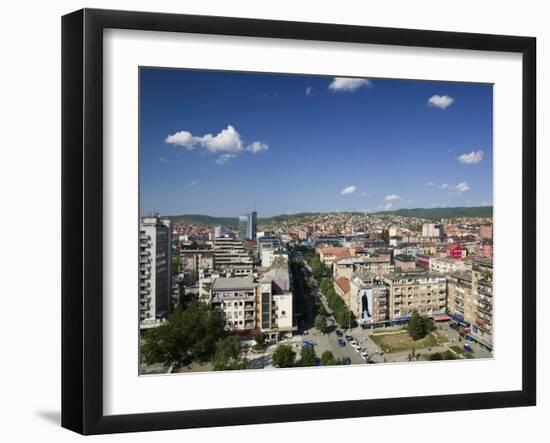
220	143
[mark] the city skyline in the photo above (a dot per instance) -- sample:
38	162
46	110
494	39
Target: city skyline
220	143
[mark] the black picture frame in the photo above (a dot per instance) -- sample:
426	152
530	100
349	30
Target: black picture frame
82	218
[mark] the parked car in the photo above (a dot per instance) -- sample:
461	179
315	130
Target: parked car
365	355
349	338
339	333
467	348
353	343
341	343
346	361
358	349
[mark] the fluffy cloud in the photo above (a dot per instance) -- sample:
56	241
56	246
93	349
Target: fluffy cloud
227	142
444	186
462	187
257	147
388	206
392	197
308	90
348	84
472	158
440	101
183	138
430	184
349	190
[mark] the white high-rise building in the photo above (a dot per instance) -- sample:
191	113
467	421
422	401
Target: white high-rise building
155	270
430	230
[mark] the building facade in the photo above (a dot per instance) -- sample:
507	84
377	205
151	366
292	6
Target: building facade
193	260
368	298
424	292
230	254
248	226
155	271
236	298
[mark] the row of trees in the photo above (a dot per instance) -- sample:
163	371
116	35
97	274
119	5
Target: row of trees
285	357
343	316
301	290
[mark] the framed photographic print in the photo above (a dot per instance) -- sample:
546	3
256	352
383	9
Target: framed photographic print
269	221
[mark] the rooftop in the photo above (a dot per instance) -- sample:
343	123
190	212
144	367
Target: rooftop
343	284
404	257
233	283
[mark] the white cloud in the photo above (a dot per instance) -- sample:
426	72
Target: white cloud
392	197
348	84
462	187
349	190
224	158
193	183
257	147
388	206
163	160
472	158
440	101
308	90
444	186
227	141
365	194
183	138
431	184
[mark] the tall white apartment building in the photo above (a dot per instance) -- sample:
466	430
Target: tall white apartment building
430	230
155	270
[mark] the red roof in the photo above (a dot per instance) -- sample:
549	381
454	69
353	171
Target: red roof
343	284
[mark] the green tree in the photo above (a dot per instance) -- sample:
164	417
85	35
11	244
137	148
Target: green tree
261	341
418	326
228	355
321	323
284	357
188	334
309	357
328	359
175	265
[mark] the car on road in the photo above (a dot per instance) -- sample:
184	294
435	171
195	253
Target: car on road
339	333
346	361
341	343
468	349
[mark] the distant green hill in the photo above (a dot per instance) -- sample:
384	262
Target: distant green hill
435	214
230	222
233	222
439	213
